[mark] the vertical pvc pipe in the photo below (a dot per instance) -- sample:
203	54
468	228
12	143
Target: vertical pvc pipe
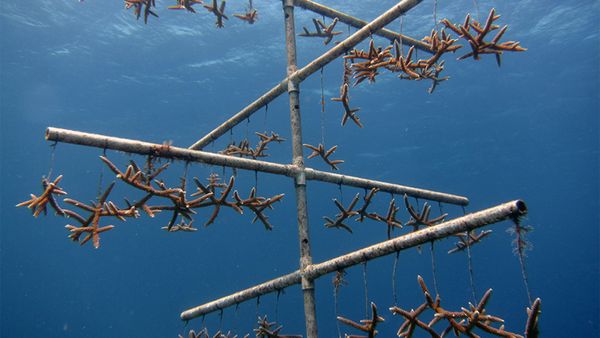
308	285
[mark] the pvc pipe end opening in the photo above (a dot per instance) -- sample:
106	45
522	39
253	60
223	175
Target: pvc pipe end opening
521	207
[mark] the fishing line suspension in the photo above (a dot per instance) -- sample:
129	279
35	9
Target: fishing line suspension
435	22
236	317
338	281
401	34
266	114
247	126
521	245
366	289
394	270
433	269
277	306
470	263
257	307
476	8
100	176
52	155
221	320
256	179
322	109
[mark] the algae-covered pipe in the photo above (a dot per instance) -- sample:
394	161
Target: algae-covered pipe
308	285
290	170
468	222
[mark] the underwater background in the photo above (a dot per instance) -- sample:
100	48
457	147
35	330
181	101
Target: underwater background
527	130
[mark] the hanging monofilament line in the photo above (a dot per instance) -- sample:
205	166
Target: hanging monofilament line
185	174
247	126
256	179
394	270
401	34
435	5
336	288
470	263
521	245
236	317
322	110
476	8
366	289
433	271
52	154
433	266
257	307
100	177
277	306
221	320
338	281
341	193
266	114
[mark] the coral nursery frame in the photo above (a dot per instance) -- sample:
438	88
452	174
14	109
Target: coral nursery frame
307	271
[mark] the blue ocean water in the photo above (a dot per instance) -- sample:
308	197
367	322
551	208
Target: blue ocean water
527	130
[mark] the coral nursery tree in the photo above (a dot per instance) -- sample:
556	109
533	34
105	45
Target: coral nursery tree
360	66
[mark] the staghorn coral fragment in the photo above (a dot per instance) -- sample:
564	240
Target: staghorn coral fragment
186	5
362	212
349	113
477	40
257	205
389	219
344	214
368	325
218	11
320	151
322	30
533	313
417	219
181	226
38	204
468	239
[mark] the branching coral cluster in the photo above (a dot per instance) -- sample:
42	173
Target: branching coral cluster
478	45
464	322
140	6
215	194
376	59
322	31
324	154
417	219
366	65
264	329
217	9
469	321
39	204
243	149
